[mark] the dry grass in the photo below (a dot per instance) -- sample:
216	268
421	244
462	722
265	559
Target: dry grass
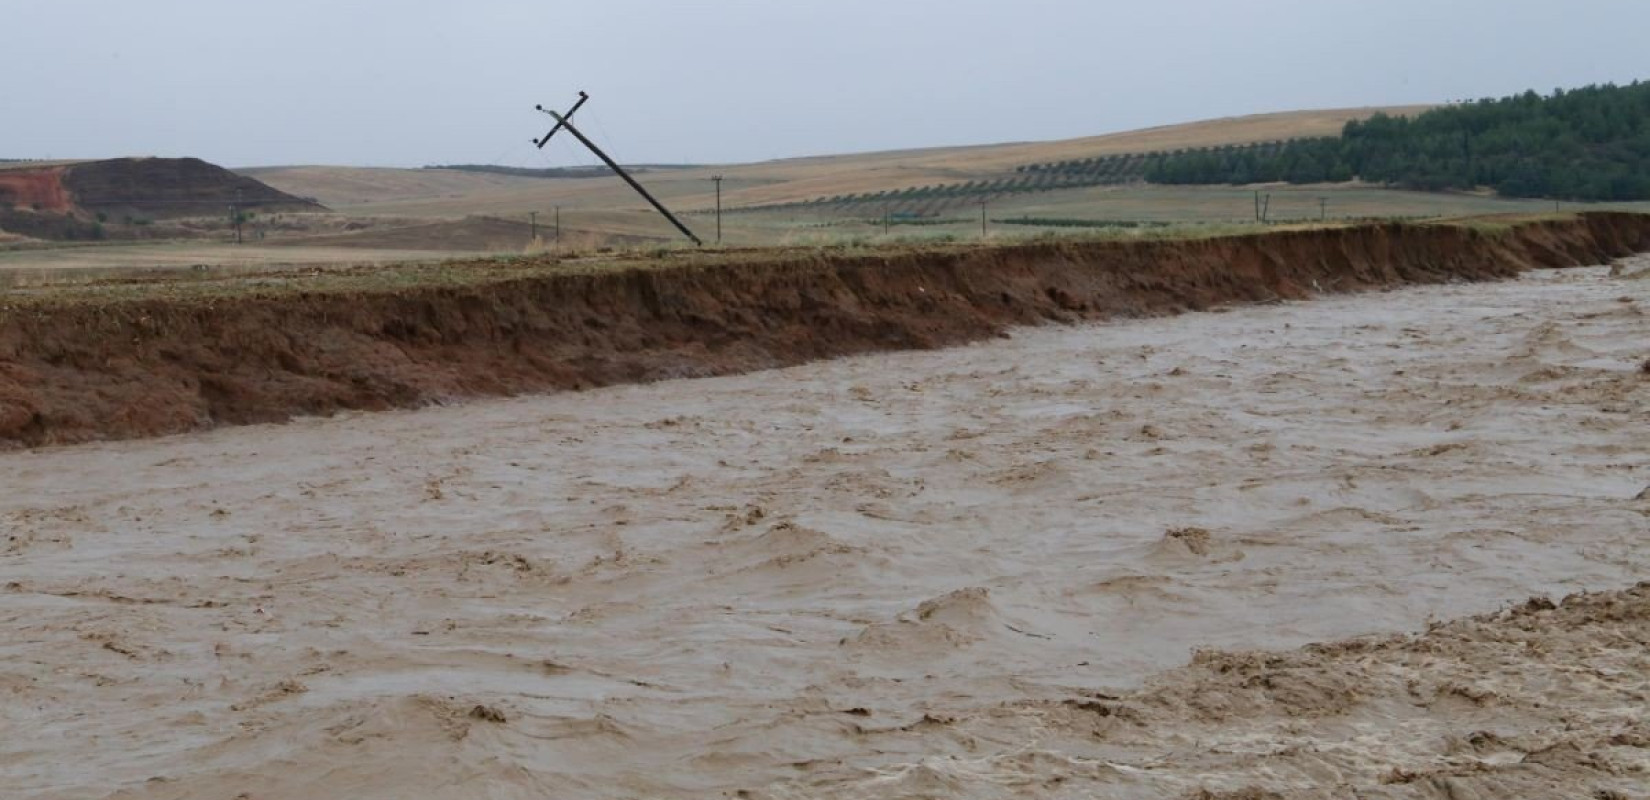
445	194
219	284
343	187
591	227
5	165
88	263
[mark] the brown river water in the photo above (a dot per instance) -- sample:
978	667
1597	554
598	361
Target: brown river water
870	577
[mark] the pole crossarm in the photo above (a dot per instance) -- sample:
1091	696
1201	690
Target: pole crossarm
559	125
563	122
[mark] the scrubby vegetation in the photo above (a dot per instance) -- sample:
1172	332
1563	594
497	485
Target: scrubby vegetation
1586	144
931	201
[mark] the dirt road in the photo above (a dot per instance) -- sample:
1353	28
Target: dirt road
952	573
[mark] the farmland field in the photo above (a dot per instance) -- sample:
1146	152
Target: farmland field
26	266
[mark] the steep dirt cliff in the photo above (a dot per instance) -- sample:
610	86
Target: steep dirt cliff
38	189
77	371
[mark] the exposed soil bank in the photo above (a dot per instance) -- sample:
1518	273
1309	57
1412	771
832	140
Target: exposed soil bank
155	366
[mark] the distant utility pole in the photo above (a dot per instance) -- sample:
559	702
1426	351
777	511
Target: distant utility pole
1257	205
558	225
534	216
235	216
887	220
1323	209
982	219
718	180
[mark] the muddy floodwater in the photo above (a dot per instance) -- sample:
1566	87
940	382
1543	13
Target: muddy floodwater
900	575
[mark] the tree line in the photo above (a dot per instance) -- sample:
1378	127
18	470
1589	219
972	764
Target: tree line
1591	143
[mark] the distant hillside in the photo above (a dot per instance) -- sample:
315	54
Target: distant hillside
450	193
76	200
527	172
598	171
1586	144
1077	173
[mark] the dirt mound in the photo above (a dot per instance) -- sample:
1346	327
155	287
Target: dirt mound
166	188
148	366
74	201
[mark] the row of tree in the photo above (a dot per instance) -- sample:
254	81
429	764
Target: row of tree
1586	144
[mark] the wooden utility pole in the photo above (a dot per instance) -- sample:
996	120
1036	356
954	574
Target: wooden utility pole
534	236
983	233
558	225
1323	209
564	121
718	180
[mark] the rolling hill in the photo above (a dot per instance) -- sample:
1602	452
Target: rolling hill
448	193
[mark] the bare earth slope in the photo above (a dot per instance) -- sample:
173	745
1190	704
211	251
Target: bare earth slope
149	360
957	573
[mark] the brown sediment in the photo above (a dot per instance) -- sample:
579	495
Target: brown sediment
151	366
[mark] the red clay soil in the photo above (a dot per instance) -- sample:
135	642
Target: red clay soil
147	367
60	202
36	189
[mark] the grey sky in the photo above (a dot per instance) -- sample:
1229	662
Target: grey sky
413	82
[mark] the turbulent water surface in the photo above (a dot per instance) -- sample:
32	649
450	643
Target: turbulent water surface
968	572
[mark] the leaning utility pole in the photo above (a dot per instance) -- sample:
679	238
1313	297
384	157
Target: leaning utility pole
563	121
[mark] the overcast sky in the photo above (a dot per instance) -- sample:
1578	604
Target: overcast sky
414	82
